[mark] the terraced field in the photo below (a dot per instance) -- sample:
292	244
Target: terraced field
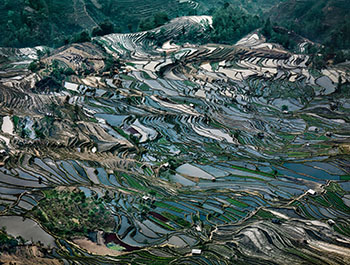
186	154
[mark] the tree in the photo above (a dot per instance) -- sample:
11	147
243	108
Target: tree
146	24
160	19
157	20
231	23
284	108
103	28
33	66
267	29
96	31
130	27
82	37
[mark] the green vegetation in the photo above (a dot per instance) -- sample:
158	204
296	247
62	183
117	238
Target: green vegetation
67	213
237	203
231	23
157	20
7	243
81	37
278	35
180	221
258	7
326	21
116	247
167	206
30	23
15	121
55	23
103	28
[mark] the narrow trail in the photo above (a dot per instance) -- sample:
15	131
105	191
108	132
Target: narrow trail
82	17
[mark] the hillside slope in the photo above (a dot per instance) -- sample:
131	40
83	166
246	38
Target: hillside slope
252	6
52	22
320	20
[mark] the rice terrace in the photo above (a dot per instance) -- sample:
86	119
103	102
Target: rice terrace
175	132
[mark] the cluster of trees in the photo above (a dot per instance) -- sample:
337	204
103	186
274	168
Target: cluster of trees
102	29
67	213
334	49
340	38
35	22
323	21
322	55
30	23
7	243
230	23
157	20
276	36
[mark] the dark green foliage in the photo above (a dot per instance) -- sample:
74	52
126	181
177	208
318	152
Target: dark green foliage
192	35
146	24
323	55
160	19
34	66
48	84
157	20
258	7
7	243
67	213
176	219
284	108
54	23
69	71
103	29
31	22
81	37
340	37
267	29
39	134
231	23
325	21
278	35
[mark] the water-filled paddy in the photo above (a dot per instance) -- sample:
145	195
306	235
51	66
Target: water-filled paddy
28	229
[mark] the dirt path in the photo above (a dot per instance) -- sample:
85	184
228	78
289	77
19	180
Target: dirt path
84	19
94	248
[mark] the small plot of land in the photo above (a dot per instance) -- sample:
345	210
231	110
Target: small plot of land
95	248
70	212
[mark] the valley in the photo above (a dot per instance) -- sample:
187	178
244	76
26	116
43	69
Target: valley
136	148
